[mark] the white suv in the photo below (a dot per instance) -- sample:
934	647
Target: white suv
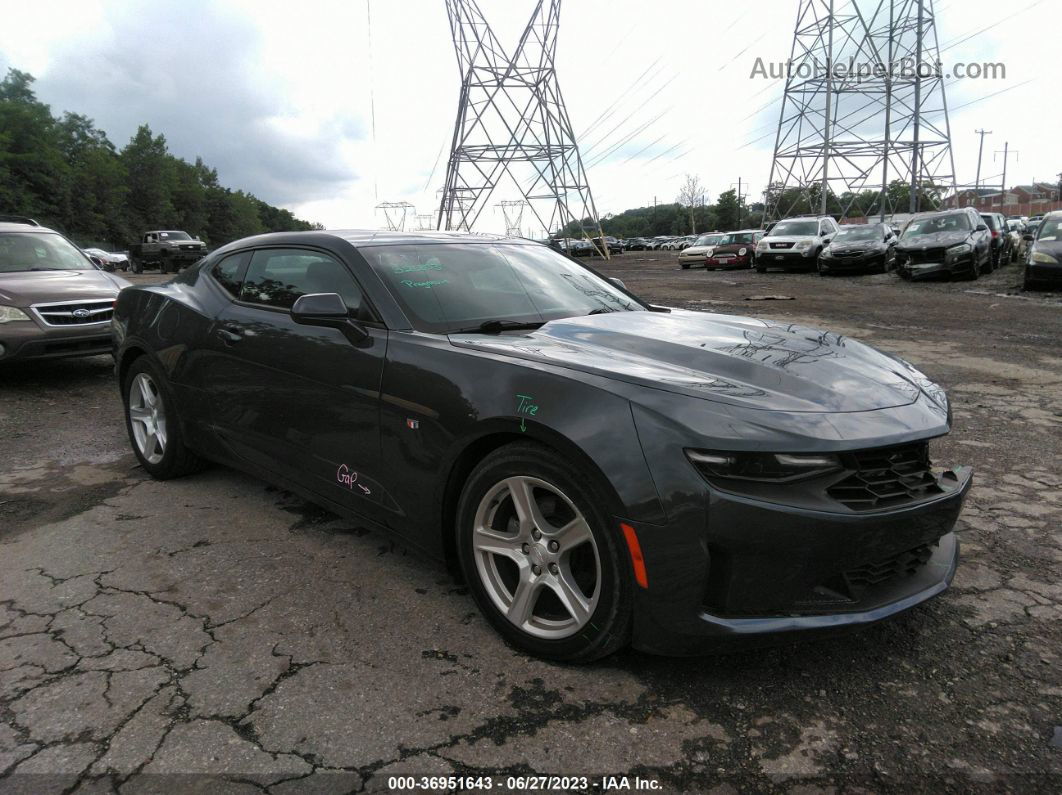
795	243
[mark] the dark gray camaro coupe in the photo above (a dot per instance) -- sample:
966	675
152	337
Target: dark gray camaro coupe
605	471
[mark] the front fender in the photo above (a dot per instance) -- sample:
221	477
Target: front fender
439	403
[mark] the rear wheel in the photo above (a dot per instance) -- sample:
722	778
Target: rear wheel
539	557
152	423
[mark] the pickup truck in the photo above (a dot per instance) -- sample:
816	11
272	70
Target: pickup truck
169	251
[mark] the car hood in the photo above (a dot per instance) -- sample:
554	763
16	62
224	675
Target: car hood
33	287
736	360
794	239
857	245
695	250
733	248
938	240
1052	247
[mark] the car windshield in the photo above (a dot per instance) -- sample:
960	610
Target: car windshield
174	236
1050	230
863	232
736	237
959	222
35	251
458	286
796	229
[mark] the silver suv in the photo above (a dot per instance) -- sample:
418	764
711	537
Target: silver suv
54	301
795	243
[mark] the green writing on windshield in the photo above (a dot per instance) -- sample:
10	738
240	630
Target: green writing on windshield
421	268
425	285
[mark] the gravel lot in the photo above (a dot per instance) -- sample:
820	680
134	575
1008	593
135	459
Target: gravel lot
154	634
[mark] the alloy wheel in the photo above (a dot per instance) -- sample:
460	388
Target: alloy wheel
536	557
147	416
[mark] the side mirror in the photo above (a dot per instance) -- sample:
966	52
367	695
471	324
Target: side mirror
328	310
619	283
1027	236
982	228
823	233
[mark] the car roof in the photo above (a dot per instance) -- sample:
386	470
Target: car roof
364	238
6	226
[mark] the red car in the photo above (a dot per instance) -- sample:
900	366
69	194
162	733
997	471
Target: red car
736	250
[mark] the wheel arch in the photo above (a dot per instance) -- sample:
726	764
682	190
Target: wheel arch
129	355
493	438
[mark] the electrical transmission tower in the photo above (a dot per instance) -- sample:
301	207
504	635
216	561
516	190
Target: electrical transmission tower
396	214
425	223
513	213
512	123
864	112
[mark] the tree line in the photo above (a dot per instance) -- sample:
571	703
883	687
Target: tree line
65	173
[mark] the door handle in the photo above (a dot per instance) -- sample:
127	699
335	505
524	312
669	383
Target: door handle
229	334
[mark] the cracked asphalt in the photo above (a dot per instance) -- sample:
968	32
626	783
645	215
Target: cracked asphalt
217	634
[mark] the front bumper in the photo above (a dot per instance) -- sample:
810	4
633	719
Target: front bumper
23	341
922	270
1043	273
785	258
760	572
728	261
864	262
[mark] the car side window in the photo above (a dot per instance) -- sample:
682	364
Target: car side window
277	277
229	272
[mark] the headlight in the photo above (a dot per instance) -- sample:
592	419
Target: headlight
9	314
1044	258
763	467
743	252
958	251
762	246
803	245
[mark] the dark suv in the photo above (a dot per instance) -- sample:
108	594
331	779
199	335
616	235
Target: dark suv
1002	245
949	242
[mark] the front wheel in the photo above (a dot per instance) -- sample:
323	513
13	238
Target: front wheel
684	265
540	558
152	423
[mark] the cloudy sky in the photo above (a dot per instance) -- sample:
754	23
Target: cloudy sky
329	108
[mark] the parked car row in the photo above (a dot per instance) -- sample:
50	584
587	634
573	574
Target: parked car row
959	243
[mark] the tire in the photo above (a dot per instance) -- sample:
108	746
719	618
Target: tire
597	564
170	458
684	265
975	270
136	265
761	269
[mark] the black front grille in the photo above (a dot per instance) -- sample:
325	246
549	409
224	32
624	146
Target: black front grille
903	564
781	245
850	253
886	477
76	313
929	255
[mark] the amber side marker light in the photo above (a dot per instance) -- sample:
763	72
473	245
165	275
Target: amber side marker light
637	560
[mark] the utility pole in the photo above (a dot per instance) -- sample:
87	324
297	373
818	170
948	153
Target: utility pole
1059	197
739	197
1006	156
980	151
